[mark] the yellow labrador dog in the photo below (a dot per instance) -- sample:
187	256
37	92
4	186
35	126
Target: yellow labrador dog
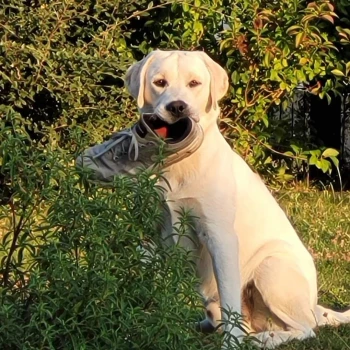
250	259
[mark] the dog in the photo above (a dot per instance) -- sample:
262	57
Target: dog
249	259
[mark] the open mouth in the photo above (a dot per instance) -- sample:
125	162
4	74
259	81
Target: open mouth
172	133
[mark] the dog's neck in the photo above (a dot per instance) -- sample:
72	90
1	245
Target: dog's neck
188	173
208	121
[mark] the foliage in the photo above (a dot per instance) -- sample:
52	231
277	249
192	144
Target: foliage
73	273
63	63
73	276
271	48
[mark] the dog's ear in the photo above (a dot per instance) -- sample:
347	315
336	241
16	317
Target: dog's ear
135	79
218	82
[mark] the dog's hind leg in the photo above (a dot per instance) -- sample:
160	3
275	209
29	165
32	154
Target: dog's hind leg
288	295
330	317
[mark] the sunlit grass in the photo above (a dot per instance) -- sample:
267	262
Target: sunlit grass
322	219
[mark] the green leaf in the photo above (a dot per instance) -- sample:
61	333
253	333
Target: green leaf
338	73
289	154
235	77
326	165
303	61
330	152
198	27
292	29
347	67
267	59
268	160
283	85
313	160
335	161
286	51
298	39
274	75
295	148
315	152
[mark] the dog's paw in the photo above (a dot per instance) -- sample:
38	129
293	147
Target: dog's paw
205	326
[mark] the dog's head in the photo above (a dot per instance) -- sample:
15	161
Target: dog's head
177	84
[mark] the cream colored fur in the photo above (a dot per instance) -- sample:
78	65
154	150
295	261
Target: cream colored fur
250	259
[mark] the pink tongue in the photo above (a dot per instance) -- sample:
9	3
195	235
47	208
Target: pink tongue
162	132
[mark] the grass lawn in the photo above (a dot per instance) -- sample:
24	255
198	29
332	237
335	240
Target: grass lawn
322	219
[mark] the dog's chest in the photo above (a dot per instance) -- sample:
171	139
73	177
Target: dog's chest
188	212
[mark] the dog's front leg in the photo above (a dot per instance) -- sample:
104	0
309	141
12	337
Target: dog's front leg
223	248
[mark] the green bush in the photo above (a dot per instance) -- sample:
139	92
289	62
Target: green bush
62	65
271	47
72	274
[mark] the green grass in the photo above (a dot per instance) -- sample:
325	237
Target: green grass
322	219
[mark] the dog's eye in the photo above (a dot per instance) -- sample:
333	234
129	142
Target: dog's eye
193	83
160	82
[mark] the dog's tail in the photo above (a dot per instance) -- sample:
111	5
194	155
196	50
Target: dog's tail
330	317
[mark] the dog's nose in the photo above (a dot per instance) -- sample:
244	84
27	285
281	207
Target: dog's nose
177	108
